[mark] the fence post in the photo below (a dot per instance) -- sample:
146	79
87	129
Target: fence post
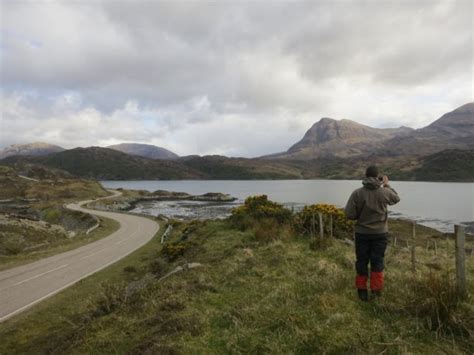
312	227
447	243
321	226
413	259
330	225
413	250
460	235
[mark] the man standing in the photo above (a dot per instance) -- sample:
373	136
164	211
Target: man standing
368	206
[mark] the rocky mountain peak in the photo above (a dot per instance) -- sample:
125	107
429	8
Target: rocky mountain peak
328	130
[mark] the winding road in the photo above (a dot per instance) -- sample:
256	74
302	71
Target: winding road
22	287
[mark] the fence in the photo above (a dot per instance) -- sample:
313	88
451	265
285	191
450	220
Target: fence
459	247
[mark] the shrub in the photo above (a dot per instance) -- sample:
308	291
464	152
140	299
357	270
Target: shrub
52	215
256	208
172	251
267	219
307	220
11	247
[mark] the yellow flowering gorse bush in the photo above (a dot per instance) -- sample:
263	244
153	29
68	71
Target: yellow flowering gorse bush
261	207
307	220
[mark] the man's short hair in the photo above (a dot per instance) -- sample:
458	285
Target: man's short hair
372	171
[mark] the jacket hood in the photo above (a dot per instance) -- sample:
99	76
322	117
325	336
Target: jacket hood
371	183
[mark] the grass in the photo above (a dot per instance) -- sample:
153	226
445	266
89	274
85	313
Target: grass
57	315
250	296
61	230
60	244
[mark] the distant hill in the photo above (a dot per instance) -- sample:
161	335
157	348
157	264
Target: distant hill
144	150
32	149
448	165
330	138
220	167
103	163
44	185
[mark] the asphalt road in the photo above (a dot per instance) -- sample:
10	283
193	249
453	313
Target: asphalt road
22	287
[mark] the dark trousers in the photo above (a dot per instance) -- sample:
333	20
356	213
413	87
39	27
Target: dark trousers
370	248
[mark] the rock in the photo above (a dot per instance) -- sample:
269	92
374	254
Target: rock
214	197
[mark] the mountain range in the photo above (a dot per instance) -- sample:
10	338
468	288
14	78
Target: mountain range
329	138
331	148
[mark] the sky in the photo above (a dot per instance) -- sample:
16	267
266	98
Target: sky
235	78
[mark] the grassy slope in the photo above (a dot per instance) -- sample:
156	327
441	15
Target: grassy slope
50	192
53	189
58	244
104	163
448	165
276	297
218	167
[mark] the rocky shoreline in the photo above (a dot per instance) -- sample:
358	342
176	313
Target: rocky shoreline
130	199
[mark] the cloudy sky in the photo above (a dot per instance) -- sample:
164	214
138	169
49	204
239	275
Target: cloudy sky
226	77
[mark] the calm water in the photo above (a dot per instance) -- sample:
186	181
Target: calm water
439	205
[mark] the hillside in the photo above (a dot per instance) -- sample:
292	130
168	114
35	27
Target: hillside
33	221
44	185
457	123
448	165
144	150
103	164
255	286
32	149
219	167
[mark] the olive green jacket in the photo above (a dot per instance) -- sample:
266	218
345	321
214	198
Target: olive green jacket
368	206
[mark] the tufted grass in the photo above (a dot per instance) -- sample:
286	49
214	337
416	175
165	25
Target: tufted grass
280	296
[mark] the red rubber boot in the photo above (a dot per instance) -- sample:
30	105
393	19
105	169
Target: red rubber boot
376	283
361	285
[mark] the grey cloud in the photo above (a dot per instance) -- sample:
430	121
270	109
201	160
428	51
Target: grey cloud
191	65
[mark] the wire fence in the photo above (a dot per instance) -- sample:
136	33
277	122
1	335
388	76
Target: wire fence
411	244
